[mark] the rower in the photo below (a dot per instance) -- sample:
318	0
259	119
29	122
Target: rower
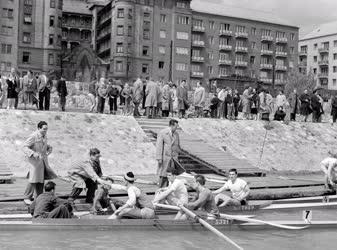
47	205
138	206
175	194
204	200
329	167
85	175
239	189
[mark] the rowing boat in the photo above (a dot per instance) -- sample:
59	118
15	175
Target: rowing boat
153	224
322	199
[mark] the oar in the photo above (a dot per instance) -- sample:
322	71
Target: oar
241	218
186	175
140	181
299	179
208	226
201	221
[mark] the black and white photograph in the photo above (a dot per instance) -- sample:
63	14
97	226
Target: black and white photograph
168	124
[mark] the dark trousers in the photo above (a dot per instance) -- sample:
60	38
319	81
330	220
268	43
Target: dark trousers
166	113
113	105
136	110
292	116
91	187
44	99
61	212
16	104
225	110
181	113
316	115
334	116
62	103
214	111
100	104
33	190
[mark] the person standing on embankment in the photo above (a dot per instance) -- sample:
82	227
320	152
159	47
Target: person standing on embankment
36	149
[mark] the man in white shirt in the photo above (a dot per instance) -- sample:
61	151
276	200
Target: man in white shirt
175	194
329	167
238	187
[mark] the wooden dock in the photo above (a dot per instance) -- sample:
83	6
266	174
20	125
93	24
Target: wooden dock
217	159
6	175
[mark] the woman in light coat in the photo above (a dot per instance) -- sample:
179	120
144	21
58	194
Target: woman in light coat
199	99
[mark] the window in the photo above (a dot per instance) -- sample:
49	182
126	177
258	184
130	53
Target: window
181	4
252	59
280	34
292	36
210	55
211	40
119	48
50	59
28	2
182	35
181	51
129	30
26	37
210	70
146	34
130	14
59	22
120	13
211	25
120	30
51	21
335	43
145	51
183	20
292	50
315	46
146	14
181	66
253	31
162	49
334	69
52	3
162	34
225	26
6	30
25	57
161	65
28	9
335	56
315	71
240	28
315	58
119	66
51	39
6	48
266	32
253	45
145	68
7	13
334	82
162	18
291	64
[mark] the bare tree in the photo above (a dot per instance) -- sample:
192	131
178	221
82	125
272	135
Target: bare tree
296	80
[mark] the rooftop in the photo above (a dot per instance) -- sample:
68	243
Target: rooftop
237	12
76	6
323	30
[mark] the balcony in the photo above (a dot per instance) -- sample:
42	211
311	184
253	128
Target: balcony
323	75
241	64
281	54
267	39
225	62
241	34
225	47
225	33
197	28
266	80
197	43
281	40
267	66
241	49
303	64
222	75
303	53
267	52
198	59
281	68
323	63
323	50
197	74
280	81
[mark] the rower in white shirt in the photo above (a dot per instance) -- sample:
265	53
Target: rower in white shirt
238	187
329	167
175	194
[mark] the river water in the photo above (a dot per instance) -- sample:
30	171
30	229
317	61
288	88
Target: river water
260	239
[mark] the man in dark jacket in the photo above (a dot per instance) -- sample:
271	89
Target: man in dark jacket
316	107
62	92
47	205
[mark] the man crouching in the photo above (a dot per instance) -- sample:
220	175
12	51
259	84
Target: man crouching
47	205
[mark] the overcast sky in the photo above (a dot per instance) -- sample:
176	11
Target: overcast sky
306	14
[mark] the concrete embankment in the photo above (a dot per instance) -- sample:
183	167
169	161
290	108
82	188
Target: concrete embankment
123	144
294	147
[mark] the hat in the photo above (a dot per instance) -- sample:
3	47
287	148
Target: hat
94	151
129	176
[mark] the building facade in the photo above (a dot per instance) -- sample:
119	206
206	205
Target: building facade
9	20
172	40
318	54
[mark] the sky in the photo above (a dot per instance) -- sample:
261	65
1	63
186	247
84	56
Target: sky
306	14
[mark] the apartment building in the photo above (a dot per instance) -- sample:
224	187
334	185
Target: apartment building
318	54
180	39
9	19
